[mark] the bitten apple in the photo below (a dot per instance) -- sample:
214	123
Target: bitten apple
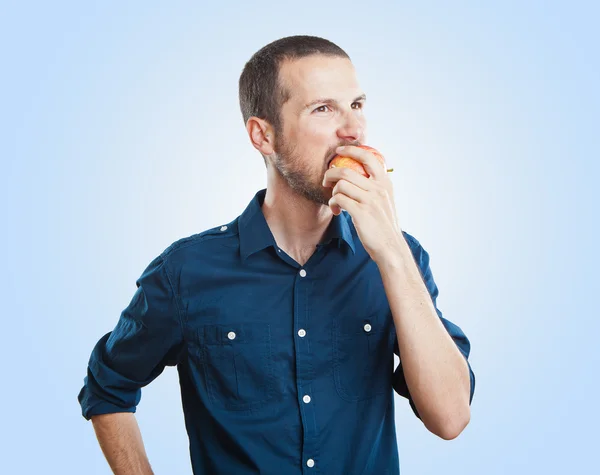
347	162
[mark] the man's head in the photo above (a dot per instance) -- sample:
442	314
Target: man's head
300	100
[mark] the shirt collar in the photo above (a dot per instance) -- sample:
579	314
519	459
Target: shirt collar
255	234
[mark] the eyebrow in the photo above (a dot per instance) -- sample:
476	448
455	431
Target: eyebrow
362	97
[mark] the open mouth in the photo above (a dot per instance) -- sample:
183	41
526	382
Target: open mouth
330	159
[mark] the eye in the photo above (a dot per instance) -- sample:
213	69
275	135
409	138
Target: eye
359	105
321	109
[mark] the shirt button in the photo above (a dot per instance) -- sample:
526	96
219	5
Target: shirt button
223	228
306	399
231	335
310	463
302	333
367	327
302	273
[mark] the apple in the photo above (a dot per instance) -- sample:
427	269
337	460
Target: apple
347	162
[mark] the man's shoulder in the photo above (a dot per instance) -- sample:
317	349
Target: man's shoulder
204	240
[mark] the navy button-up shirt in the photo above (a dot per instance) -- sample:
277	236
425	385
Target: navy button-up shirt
284	369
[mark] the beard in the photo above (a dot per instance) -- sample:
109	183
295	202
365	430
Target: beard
306	182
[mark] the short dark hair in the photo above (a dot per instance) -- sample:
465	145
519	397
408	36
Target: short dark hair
260	93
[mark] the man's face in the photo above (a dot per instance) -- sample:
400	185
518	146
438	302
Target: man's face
324	111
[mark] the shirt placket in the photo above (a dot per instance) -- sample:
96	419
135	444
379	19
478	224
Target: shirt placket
305	371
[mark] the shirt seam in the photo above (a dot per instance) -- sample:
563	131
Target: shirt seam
195	240
176	298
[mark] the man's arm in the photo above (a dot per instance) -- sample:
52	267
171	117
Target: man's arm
436	372
121	442
147	338
438	379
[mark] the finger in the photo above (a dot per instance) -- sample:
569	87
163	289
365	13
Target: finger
333	175
351	191
368	160
343	202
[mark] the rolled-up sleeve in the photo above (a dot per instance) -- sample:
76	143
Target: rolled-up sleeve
148	336
462	342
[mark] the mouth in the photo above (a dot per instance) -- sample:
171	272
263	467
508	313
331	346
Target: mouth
331	157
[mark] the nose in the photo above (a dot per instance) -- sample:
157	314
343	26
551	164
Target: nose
352	128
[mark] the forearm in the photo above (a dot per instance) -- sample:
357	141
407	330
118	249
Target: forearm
121	442
436	372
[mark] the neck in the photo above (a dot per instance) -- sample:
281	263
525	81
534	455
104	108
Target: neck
297	223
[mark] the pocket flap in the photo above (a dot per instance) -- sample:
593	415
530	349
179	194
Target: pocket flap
233	333
350	325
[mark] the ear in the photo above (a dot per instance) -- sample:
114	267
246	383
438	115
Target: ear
261	135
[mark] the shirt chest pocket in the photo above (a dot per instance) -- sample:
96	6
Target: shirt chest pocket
237	362
363	356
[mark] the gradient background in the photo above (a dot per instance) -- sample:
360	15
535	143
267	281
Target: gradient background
121	133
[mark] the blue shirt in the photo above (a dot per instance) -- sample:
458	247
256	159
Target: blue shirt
284	369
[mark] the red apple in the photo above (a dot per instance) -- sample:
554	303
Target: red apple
347	162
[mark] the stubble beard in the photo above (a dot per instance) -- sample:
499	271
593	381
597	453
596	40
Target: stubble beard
306	182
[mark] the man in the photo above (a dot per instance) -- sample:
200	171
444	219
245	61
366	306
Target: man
284	322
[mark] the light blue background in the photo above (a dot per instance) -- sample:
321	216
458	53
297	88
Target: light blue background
120	133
